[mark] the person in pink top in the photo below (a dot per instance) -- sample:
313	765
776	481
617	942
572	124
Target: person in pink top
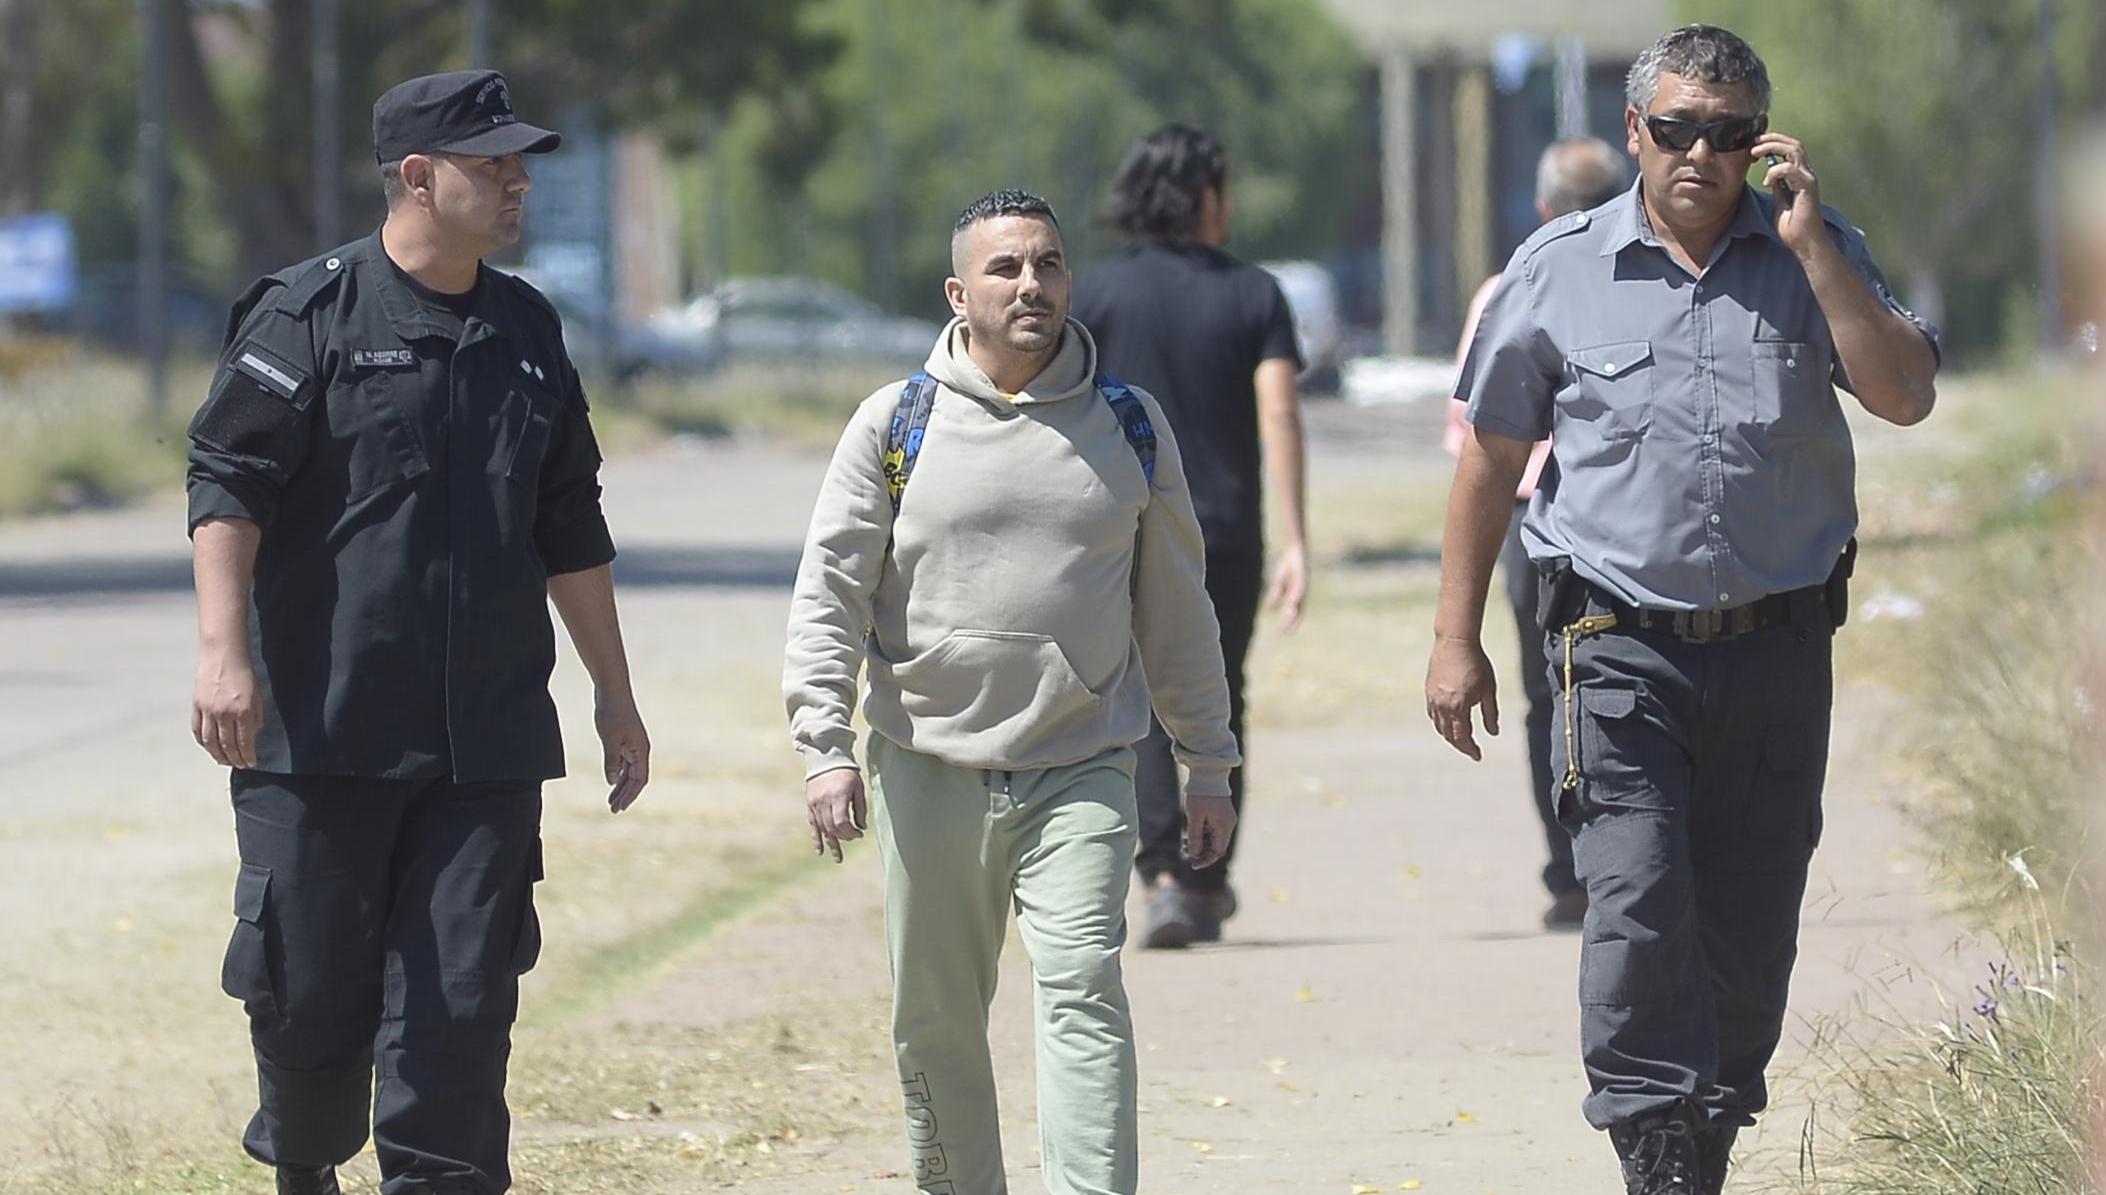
1574	175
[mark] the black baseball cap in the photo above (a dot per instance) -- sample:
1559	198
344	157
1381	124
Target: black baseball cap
459	112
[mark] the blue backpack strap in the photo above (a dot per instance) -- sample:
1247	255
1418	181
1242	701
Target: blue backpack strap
910	420
1133	421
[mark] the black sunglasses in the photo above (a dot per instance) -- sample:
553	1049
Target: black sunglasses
1728	136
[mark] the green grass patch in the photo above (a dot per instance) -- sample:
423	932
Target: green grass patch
624	964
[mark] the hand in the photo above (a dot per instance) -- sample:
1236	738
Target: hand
1799	221
625	747
838	810
1458	677
1209	824
1290	585
226	709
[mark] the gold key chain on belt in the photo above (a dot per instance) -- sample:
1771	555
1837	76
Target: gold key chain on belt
1593	624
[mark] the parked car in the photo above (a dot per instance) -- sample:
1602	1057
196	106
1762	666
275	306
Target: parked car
624	348
783	320
106	310
1312	295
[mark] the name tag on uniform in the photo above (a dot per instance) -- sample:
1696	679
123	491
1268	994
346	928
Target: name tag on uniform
383	358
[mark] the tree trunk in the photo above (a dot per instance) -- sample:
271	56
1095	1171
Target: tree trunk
273	220
22	154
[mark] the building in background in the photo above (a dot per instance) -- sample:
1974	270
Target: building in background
1469	96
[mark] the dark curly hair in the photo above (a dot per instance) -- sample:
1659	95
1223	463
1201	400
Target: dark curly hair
1156	194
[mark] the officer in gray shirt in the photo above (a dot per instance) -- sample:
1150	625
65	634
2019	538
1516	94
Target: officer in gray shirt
1681	345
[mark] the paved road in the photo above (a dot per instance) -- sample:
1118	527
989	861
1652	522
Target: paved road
1384	1011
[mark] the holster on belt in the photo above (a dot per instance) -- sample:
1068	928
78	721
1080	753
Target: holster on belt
1838	588
1557	589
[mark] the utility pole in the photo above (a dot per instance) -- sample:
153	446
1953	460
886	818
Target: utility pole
1571	74
479	53
153	212
328	141
2047	213
883	280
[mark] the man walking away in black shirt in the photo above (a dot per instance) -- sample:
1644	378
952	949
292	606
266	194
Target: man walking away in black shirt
1213	340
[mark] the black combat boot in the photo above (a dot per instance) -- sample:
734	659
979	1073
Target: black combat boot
1714	1147
308	1180
1659	1152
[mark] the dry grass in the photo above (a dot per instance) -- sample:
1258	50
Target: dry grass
76	431
1998	742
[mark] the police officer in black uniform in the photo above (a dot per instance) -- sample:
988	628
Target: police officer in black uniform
392	476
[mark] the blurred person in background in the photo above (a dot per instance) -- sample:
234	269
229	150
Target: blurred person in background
1574	175
392	476
1680	347
1212	339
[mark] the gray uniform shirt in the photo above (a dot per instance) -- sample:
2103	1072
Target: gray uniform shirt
1699	455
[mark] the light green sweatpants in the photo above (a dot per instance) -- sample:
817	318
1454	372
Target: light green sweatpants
961	846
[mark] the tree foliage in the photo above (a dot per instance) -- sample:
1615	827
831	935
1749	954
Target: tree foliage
939	101
1919	118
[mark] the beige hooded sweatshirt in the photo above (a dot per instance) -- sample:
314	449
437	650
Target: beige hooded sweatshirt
1032	577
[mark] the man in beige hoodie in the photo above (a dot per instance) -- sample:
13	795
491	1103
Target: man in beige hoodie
1009	604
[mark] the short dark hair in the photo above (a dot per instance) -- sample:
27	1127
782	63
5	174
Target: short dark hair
1156	193
1704	53
392	188
1006	202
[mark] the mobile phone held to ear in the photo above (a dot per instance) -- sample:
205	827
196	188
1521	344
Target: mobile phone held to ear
1785	189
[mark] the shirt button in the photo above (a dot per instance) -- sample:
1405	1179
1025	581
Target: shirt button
1700	288
1714	520
1724	597
334	263
1791	363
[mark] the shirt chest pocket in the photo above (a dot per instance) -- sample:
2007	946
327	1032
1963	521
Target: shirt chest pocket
522	441
372	433
1609	389
1793	396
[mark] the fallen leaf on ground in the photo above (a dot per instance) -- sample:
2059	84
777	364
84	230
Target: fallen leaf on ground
1205	1147
1306	996
1465	1118
1219	1101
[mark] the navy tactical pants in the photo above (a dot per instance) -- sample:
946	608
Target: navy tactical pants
1236	583
383	925
1695	816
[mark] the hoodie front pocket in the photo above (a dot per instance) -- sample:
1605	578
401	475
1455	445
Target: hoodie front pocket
974	681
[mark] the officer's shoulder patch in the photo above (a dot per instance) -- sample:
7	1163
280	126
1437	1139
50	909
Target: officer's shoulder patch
1569	224
313	280
1840	223
532	294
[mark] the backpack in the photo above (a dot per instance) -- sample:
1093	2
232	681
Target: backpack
917	399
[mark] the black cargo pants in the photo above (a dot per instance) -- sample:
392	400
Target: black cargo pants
1694	818
384	922
1236	584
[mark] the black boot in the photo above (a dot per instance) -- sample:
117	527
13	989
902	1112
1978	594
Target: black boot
1659	1152
1714	1147
306	1180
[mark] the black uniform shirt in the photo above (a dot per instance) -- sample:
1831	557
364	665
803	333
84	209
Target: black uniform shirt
1190	325
418	479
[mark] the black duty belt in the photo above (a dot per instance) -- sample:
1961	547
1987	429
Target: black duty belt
1798	606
